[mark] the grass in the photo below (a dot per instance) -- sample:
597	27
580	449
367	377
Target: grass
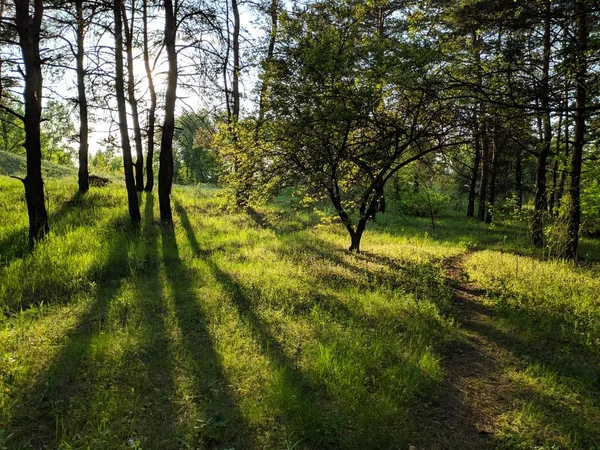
13	164
549	318
260	331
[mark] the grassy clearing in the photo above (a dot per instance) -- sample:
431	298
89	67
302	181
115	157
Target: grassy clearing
224	333
260	331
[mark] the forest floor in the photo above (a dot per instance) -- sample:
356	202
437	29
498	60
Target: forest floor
258	330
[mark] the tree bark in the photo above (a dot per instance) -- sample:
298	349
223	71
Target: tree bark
485	164
273	13
519	179
152	110
492	184
84	182
236	61
551	207
28	29
381	200
541	199
574	220
137	132
165	171
563	173
356	236
474	173
134	207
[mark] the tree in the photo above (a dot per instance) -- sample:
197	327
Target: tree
192	140
81	24
137	131
165	170
132	198
58	133
28	23
152	110
581	39
349	109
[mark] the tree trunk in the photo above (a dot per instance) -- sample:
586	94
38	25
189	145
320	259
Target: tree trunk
356	236
236	61
243	187
554	187
574	220
519	179
563	172
84	183
492	184
165	171
553	201
484	173
137	132
152	110
28	29
381	200
134	207
541	200
474	172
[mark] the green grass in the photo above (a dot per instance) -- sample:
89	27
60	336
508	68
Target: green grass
259	331
16	165
549	318
222	333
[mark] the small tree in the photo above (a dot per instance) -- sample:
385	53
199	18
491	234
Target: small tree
348	108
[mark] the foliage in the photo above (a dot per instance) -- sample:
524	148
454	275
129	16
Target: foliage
343	103
12	134
241	154
58	134
194	157
108	159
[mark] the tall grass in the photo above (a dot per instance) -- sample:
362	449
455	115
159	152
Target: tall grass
227	332
259	330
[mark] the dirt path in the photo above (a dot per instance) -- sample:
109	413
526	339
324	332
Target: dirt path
476	390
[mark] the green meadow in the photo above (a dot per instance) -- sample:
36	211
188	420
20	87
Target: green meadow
259	330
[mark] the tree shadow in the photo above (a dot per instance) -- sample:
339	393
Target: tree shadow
284	219
223	424
155	387
565	371
40	414
309	411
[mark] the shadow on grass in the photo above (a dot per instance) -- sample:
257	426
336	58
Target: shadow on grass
223	424
302	414
16	244
563	374
314	415
156	422
59	404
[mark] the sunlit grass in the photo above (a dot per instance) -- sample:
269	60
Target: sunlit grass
258	330
225	332
549	315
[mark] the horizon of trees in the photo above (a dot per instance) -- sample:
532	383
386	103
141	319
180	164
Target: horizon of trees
353	101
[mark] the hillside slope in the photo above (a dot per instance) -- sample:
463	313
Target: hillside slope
12	164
